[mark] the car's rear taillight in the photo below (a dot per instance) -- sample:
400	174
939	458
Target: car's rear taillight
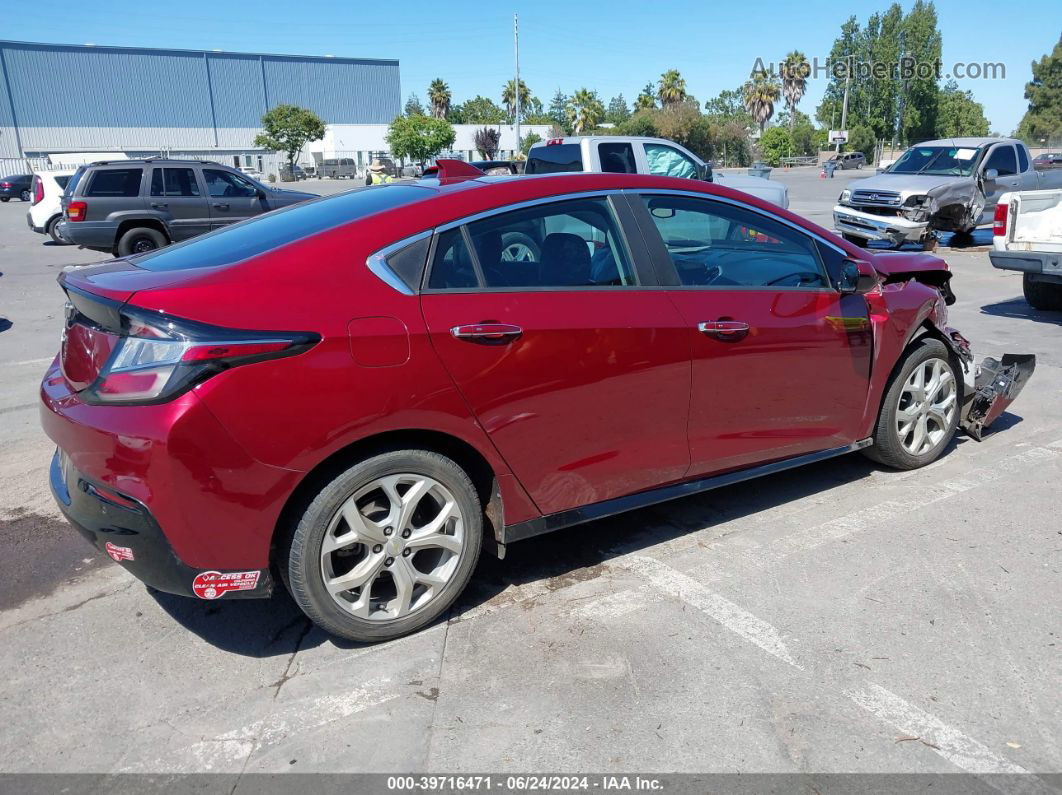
152	357
76	211
999	221
5	184
38	189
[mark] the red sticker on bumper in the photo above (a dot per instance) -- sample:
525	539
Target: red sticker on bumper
118	553
214	584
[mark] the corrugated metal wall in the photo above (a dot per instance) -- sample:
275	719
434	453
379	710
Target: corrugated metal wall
55	97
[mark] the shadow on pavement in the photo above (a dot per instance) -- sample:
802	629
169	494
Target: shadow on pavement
1019	308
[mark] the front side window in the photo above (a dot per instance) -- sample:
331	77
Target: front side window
174	182
667	161
564	244
1003	160
719	245
123	182
225	184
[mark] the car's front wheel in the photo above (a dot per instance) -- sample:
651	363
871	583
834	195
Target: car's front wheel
24	195
920	411
386	547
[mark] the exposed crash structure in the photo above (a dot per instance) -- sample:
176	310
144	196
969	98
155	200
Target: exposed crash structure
939	186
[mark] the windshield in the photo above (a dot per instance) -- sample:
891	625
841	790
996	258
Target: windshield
942	161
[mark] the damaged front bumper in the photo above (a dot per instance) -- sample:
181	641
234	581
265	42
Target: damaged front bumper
995	387
892	228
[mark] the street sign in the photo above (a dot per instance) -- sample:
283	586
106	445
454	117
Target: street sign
838	136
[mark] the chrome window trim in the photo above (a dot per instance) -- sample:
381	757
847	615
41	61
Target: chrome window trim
377	262
733	202
558	197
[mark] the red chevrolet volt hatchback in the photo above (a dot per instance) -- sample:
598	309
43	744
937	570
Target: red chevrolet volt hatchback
358	394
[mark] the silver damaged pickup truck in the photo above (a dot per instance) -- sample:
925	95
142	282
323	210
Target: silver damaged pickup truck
950	185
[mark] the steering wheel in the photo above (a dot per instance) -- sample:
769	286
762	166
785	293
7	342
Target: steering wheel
802	277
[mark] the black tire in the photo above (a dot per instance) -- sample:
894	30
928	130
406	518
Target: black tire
140	240
888	447
301	560
515	241
5	199
25	195
53	231
855	239
1041	295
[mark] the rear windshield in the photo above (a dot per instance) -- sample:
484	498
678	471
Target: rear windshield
71	186
554	159
61	181
280	227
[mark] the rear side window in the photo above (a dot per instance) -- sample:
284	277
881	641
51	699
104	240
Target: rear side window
278	228
174	182
61	182
554	159
115	182
617	158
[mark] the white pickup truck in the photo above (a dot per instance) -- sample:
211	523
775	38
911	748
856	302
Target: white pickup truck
950	185
1027	237
623	154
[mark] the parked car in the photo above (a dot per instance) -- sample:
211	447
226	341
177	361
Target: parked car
339	168
46	212
618	154
847	160
492	168
1048	160
1027	237
133	206
424	397
293	174
950	185
17	186
250	171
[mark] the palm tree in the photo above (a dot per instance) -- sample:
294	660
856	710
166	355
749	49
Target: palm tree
646	100
439	97
795	71
509	98
761	92
585	111
671	90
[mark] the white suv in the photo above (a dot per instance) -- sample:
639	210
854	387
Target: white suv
47	209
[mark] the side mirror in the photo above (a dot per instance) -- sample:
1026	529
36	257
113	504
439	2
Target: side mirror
857	276
991	174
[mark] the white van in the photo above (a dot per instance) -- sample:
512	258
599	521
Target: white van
47	210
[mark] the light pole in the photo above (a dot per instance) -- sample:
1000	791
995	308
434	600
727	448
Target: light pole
516	86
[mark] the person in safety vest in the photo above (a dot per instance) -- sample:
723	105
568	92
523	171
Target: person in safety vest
378	174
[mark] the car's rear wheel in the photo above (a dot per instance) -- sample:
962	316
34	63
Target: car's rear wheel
53	231
920	411
140	240
5	199
386	547
855	239
1041	295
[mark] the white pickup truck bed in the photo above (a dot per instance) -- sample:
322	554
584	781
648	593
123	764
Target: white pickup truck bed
1027	237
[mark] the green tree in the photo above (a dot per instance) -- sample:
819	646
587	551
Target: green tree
861	139
617	112
795	72
728	105
671	89
921	93
558	109
641	124
775	143
761	92
647	99
508	97
530	140
1043	120
287	129
585	111
439	98
478	110
959	114
420	138
413	106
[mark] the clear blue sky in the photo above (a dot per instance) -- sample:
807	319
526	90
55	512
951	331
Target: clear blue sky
609	45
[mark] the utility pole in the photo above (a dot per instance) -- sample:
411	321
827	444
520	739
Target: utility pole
516	87
844	105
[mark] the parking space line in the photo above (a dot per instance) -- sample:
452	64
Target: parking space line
45	360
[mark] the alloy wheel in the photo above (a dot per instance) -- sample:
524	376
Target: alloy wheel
927	406
392	547
517	252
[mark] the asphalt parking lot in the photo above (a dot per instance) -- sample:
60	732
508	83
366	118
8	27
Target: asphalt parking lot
837	618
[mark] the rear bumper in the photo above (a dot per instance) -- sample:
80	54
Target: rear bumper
29	222
1047	263
90	234
892	228
124	529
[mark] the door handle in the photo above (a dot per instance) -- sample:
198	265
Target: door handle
487	332
726	330
159	205
219	206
